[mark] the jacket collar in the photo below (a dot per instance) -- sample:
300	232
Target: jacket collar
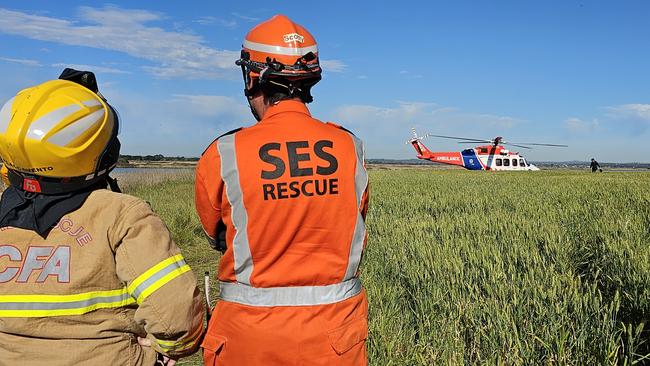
38	212
286	106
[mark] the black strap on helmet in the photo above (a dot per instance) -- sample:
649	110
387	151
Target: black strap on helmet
273	68
271	75
84	78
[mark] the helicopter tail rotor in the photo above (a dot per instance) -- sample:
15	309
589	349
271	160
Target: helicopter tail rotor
415	137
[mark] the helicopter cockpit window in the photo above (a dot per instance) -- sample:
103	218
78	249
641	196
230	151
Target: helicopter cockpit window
514	162
522	162
506	162
498	161
483	150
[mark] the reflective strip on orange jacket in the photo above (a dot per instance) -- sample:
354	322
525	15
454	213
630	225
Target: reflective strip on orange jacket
292	193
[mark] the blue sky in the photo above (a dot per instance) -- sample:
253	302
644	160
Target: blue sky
567	72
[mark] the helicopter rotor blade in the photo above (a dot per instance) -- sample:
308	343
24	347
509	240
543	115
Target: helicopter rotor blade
521	146
496	141
536	144
459	138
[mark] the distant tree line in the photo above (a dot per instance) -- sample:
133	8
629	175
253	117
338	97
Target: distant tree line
157	157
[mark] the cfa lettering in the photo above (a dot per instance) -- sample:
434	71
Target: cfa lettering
297	158
45	261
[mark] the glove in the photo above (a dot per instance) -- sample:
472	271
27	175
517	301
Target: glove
219	242
221	237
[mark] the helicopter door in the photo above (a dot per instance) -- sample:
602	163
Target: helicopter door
470	160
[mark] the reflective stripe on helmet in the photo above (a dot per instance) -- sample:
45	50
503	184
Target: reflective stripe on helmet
5	115
40	127
230	175
285	51
76	129
33	306
157	276
359	236
43	125
289	296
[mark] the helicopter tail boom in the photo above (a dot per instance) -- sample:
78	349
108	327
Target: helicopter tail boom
450	158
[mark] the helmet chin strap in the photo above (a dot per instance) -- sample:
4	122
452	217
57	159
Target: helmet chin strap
249	93
250	105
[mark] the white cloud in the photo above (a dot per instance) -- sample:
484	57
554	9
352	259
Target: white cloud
630	119
174	54
636	111
578	126
22	61
333	65
246	18
407	74
95	69
419	112
179	125
212	20
384	129
213	105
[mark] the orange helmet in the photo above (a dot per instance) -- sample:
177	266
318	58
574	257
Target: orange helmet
279	49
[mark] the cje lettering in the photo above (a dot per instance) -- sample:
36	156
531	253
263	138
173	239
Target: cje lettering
295	189
45	261
81	236
298	155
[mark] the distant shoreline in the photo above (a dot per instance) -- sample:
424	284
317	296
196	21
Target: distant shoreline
162	164
397	164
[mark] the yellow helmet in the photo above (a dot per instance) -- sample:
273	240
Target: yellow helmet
58	137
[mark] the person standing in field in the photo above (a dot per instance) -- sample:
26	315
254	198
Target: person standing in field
594	166
285	200
88	276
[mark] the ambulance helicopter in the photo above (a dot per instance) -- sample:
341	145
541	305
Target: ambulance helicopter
485	157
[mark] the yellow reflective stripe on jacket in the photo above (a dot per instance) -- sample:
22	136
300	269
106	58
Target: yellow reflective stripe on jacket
181	345
157	276
36	306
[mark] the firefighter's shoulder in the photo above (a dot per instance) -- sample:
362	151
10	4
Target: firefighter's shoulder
113	204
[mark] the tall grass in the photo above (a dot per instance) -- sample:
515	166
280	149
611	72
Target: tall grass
474	268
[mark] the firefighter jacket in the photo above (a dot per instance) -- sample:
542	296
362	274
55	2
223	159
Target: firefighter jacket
291	194
107	273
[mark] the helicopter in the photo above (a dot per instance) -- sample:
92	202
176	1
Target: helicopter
484	157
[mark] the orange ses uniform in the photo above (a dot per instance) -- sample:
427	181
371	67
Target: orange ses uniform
292	193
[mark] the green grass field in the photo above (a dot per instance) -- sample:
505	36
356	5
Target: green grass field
468	267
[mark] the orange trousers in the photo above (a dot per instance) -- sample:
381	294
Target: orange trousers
328	335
